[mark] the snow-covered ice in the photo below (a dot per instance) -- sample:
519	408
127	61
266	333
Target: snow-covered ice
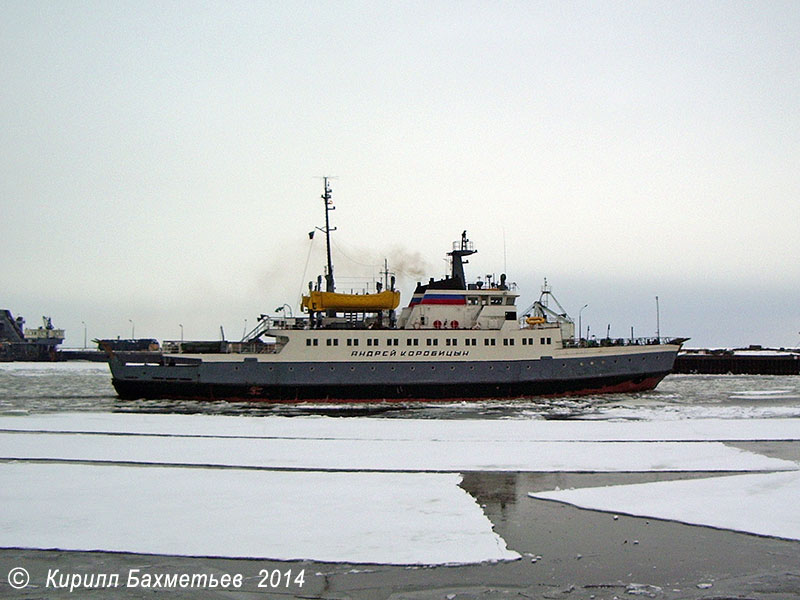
396	518
356	489
390	444
763	504
468	430
388	455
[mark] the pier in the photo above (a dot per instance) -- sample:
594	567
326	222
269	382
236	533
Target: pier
753	360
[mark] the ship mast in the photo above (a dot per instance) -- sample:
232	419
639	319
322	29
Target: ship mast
326	198
465	248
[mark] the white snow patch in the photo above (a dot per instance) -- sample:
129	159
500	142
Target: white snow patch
785	417
763	504
407	518
388	455
677	428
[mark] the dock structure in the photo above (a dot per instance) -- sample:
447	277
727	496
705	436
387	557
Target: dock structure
753	360
20	343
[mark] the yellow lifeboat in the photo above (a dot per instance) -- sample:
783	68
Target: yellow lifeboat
535	320
318	301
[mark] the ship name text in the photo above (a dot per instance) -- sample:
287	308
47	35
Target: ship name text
408	353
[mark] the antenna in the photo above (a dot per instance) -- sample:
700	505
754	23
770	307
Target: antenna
505	262
328	203
386	274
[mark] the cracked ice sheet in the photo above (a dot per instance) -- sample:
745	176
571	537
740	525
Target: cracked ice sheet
763	504
695	429
388	518
387	455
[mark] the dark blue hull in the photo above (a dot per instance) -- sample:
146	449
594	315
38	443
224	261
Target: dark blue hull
392	381
383	392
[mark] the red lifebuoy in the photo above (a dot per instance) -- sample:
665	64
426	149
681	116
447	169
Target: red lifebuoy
437	324
454	324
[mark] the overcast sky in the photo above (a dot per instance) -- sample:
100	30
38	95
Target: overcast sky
161	160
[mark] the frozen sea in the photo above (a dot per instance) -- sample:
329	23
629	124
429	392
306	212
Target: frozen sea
32	388
334	484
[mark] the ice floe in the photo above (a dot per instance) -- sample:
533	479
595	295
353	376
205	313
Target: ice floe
763	504
372	453
354	489
395	518
691	428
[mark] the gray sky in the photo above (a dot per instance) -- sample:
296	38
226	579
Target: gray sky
161	159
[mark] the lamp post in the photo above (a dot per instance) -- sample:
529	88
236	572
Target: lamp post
133	329
658	322
84	334
181	326
580	331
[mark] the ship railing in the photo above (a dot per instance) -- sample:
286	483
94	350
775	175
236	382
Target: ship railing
220	347
252	348
608	342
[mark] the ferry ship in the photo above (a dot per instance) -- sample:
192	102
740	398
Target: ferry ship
455	340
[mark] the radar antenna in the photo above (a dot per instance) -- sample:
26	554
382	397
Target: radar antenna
465	248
